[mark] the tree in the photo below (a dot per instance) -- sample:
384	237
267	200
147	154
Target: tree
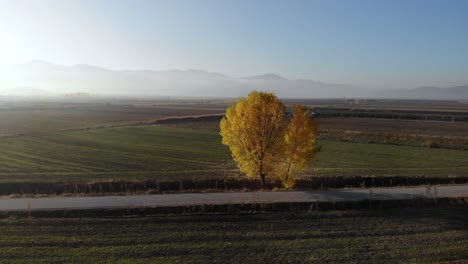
253	130
299	145
257	132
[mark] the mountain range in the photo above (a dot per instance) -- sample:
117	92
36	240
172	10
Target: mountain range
40	78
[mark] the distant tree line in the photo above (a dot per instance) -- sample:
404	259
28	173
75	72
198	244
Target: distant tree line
456	117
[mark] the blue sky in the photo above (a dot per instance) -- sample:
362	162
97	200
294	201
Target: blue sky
398	44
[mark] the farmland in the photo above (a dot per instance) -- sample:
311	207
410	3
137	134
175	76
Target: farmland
367	130
409	235
113	139
81	143
401	132
161	152
26	119
23	118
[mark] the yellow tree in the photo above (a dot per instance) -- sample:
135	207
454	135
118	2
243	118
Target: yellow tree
253	129
299	145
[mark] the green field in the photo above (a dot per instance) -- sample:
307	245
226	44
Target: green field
27	120
406	235
158	152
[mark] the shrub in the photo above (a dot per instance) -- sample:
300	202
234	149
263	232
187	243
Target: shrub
430	144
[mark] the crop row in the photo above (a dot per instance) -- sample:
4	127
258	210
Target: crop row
416	235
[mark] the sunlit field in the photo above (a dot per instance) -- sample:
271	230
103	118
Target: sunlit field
159	152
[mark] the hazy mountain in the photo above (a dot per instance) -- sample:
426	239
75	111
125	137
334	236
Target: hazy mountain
430	92
24	91
457	92
42	78
267	77
88	78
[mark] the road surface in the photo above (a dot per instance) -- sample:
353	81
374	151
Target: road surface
74	203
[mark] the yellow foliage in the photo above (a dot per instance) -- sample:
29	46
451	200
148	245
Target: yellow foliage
299	145
253	130
261	140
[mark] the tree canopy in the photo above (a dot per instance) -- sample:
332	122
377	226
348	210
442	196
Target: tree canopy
264	142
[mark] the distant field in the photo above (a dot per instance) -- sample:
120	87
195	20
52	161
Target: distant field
159	152
31	118
371	126
406	235
395	126
40	117
384	104
49	118
366	130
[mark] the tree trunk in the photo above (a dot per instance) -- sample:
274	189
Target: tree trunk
262	176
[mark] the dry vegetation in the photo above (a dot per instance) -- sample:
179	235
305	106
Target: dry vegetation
365	130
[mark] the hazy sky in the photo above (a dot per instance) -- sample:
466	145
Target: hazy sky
379	43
